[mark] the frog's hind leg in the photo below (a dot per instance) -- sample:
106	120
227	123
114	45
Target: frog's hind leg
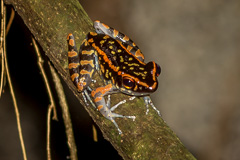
102	28
104	108
81	64
87	97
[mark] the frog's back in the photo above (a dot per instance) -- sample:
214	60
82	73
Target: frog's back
114	55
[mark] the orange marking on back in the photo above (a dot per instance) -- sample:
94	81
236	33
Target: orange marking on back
115	33
93	33
73	76
106	37
136	54
119	73
85	62
88	52
72	53
73	65
91	40
105	58
139	54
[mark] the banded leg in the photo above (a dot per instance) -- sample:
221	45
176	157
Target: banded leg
87	96
102	28
81	65
104	108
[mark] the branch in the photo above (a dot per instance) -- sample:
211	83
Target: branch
148	137
15	104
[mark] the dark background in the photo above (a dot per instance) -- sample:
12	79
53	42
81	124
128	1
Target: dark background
195	42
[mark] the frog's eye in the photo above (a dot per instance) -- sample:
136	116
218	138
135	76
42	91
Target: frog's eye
158	69
128	83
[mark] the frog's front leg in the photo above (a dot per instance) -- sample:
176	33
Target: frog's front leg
104	108
148	101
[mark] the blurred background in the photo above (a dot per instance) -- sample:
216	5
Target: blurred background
197	46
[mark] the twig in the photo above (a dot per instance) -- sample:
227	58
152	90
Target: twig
2	72
50	108
40	64
10	20
1	47
12	91
95	138
52	103
66	114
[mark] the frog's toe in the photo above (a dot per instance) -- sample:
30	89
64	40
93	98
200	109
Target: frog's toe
112	116
148	101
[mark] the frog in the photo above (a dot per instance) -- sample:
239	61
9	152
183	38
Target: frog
120	64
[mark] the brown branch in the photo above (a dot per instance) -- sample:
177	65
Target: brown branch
46	82
1	46
52	105
66	115
10	20
48	148
148	137
11	86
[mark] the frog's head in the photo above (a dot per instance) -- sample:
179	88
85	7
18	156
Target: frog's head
143	84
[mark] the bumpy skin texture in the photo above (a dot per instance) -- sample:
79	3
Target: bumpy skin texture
118	61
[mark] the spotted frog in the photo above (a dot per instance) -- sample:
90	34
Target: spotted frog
120	64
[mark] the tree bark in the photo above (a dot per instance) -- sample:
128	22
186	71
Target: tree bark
148	137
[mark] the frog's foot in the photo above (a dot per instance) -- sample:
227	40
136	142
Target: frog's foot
108	113
111	116
115	106
148	101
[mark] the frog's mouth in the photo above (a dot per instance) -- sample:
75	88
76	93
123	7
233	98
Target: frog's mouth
147	90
